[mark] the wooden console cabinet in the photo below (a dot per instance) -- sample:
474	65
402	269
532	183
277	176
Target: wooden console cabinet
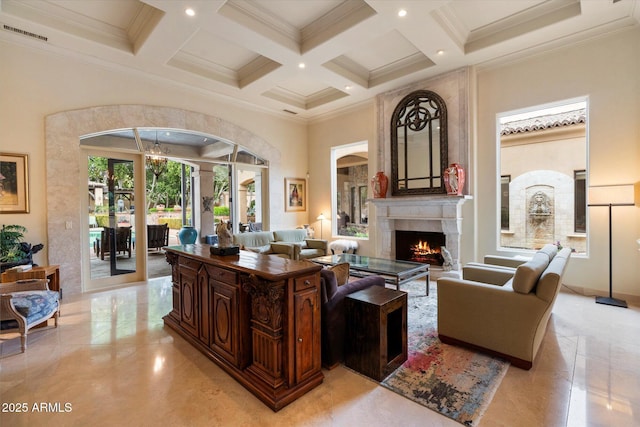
256	316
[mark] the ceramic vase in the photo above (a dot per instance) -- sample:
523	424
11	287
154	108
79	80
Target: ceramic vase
454	179
187	235
379	185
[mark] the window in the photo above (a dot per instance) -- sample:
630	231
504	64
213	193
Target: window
350	184
542	195
504	205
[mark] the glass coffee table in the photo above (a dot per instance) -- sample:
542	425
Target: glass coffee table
394	272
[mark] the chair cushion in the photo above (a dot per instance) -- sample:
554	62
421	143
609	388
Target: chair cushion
35	304
342	272
527	274
266	249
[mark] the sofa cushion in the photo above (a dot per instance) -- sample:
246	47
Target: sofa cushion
297	235
342	272
527	274
253	240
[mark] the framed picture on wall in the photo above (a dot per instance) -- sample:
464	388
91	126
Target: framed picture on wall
14	183
295	190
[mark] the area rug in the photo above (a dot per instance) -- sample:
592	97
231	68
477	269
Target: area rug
451	380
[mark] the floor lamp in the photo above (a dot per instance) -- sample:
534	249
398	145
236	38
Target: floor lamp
610	196
321	218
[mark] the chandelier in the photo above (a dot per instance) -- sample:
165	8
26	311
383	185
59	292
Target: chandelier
155	157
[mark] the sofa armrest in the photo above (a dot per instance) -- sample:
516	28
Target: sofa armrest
289	249
504	261
318	244
489	316
486	273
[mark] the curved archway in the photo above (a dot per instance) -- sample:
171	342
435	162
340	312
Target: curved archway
62	145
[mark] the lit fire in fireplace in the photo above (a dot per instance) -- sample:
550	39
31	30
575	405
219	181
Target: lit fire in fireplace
422	252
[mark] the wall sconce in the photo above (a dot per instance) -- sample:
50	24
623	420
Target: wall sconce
610	196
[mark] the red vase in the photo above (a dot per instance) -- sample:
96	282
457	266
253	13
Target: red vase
379	185
454	179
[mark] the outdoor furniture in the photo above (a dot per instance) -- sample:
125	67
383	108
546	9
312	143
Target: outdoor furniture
122	235
157	236
26	304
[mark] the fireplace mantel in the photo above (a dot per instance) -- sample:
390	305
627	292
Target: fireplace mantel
419	213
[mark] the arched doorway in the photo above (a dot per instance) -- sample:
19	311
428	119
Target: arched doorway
65	187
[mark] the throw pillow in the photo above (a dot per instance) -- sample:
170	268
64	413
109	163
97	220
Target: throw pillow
342	272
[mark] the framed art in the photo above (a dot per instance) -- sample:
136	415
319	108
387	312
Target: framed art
14	183
295	195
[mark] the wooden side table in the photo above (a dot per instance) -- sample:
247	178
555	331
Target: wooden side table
376	338
51	272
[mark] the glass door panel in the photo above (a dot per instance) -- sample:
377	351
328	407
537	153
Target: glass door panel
111	219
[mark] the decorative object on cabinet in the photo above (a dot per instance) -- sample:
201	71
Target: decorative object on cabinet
454	179
379	185
13	250
187	235
14	183
295	190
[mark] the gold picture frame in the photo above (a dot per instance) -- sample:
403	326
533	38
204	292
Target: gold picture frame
14	183
295	198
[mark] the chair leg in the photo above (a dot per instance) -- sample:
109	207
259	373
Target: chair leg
23	342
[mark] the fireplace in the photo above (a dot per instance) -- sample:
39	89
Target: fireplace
420	246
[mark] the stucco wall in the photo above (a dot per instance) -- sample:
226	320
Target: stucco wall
607	70
35	84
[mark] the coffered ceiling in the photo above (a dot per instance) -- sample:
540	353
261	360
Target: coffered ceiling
251	51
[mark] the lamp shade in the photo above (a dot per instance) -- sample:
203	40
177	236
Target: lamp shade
321	217
624	194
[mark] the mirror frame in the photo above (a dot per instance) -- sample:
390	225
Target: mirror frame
407	105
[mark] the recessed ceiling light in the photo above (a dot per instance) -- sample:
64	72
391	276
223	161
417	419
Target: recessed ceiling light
402	12
301	65
190	12
440	52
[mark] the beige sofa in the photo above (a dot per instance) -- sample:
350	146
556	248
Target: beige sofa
292	244
500	309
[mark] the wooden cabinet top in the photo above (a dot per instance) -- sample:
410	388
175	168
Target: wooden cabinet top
266	266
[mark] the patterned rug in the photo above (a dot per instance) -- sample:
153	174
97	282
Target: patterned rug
454	381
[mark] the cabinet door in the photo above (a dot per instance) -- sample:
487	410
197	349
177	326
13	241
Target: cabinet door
225	337
204	324
188	300
307	333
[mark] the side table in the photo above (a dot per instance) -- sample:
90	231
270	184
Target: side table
376	338
51	272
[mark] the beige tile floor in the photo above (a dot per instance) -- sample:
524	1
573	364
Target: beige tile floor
111	362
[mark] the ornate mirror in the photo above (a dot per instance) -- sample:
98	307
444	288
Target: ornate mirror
419	153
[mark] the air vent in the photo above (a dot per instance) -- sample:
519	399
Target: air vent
24	33
289	111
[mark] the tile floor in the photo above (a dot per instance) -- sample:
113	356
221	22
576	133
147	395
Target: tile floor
111	362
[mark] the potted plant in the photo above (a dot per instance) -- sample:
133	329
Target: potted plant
13	250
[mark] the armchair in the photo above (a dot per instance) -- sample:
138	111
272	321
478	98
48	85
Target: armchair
25	304
333	323
501	310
